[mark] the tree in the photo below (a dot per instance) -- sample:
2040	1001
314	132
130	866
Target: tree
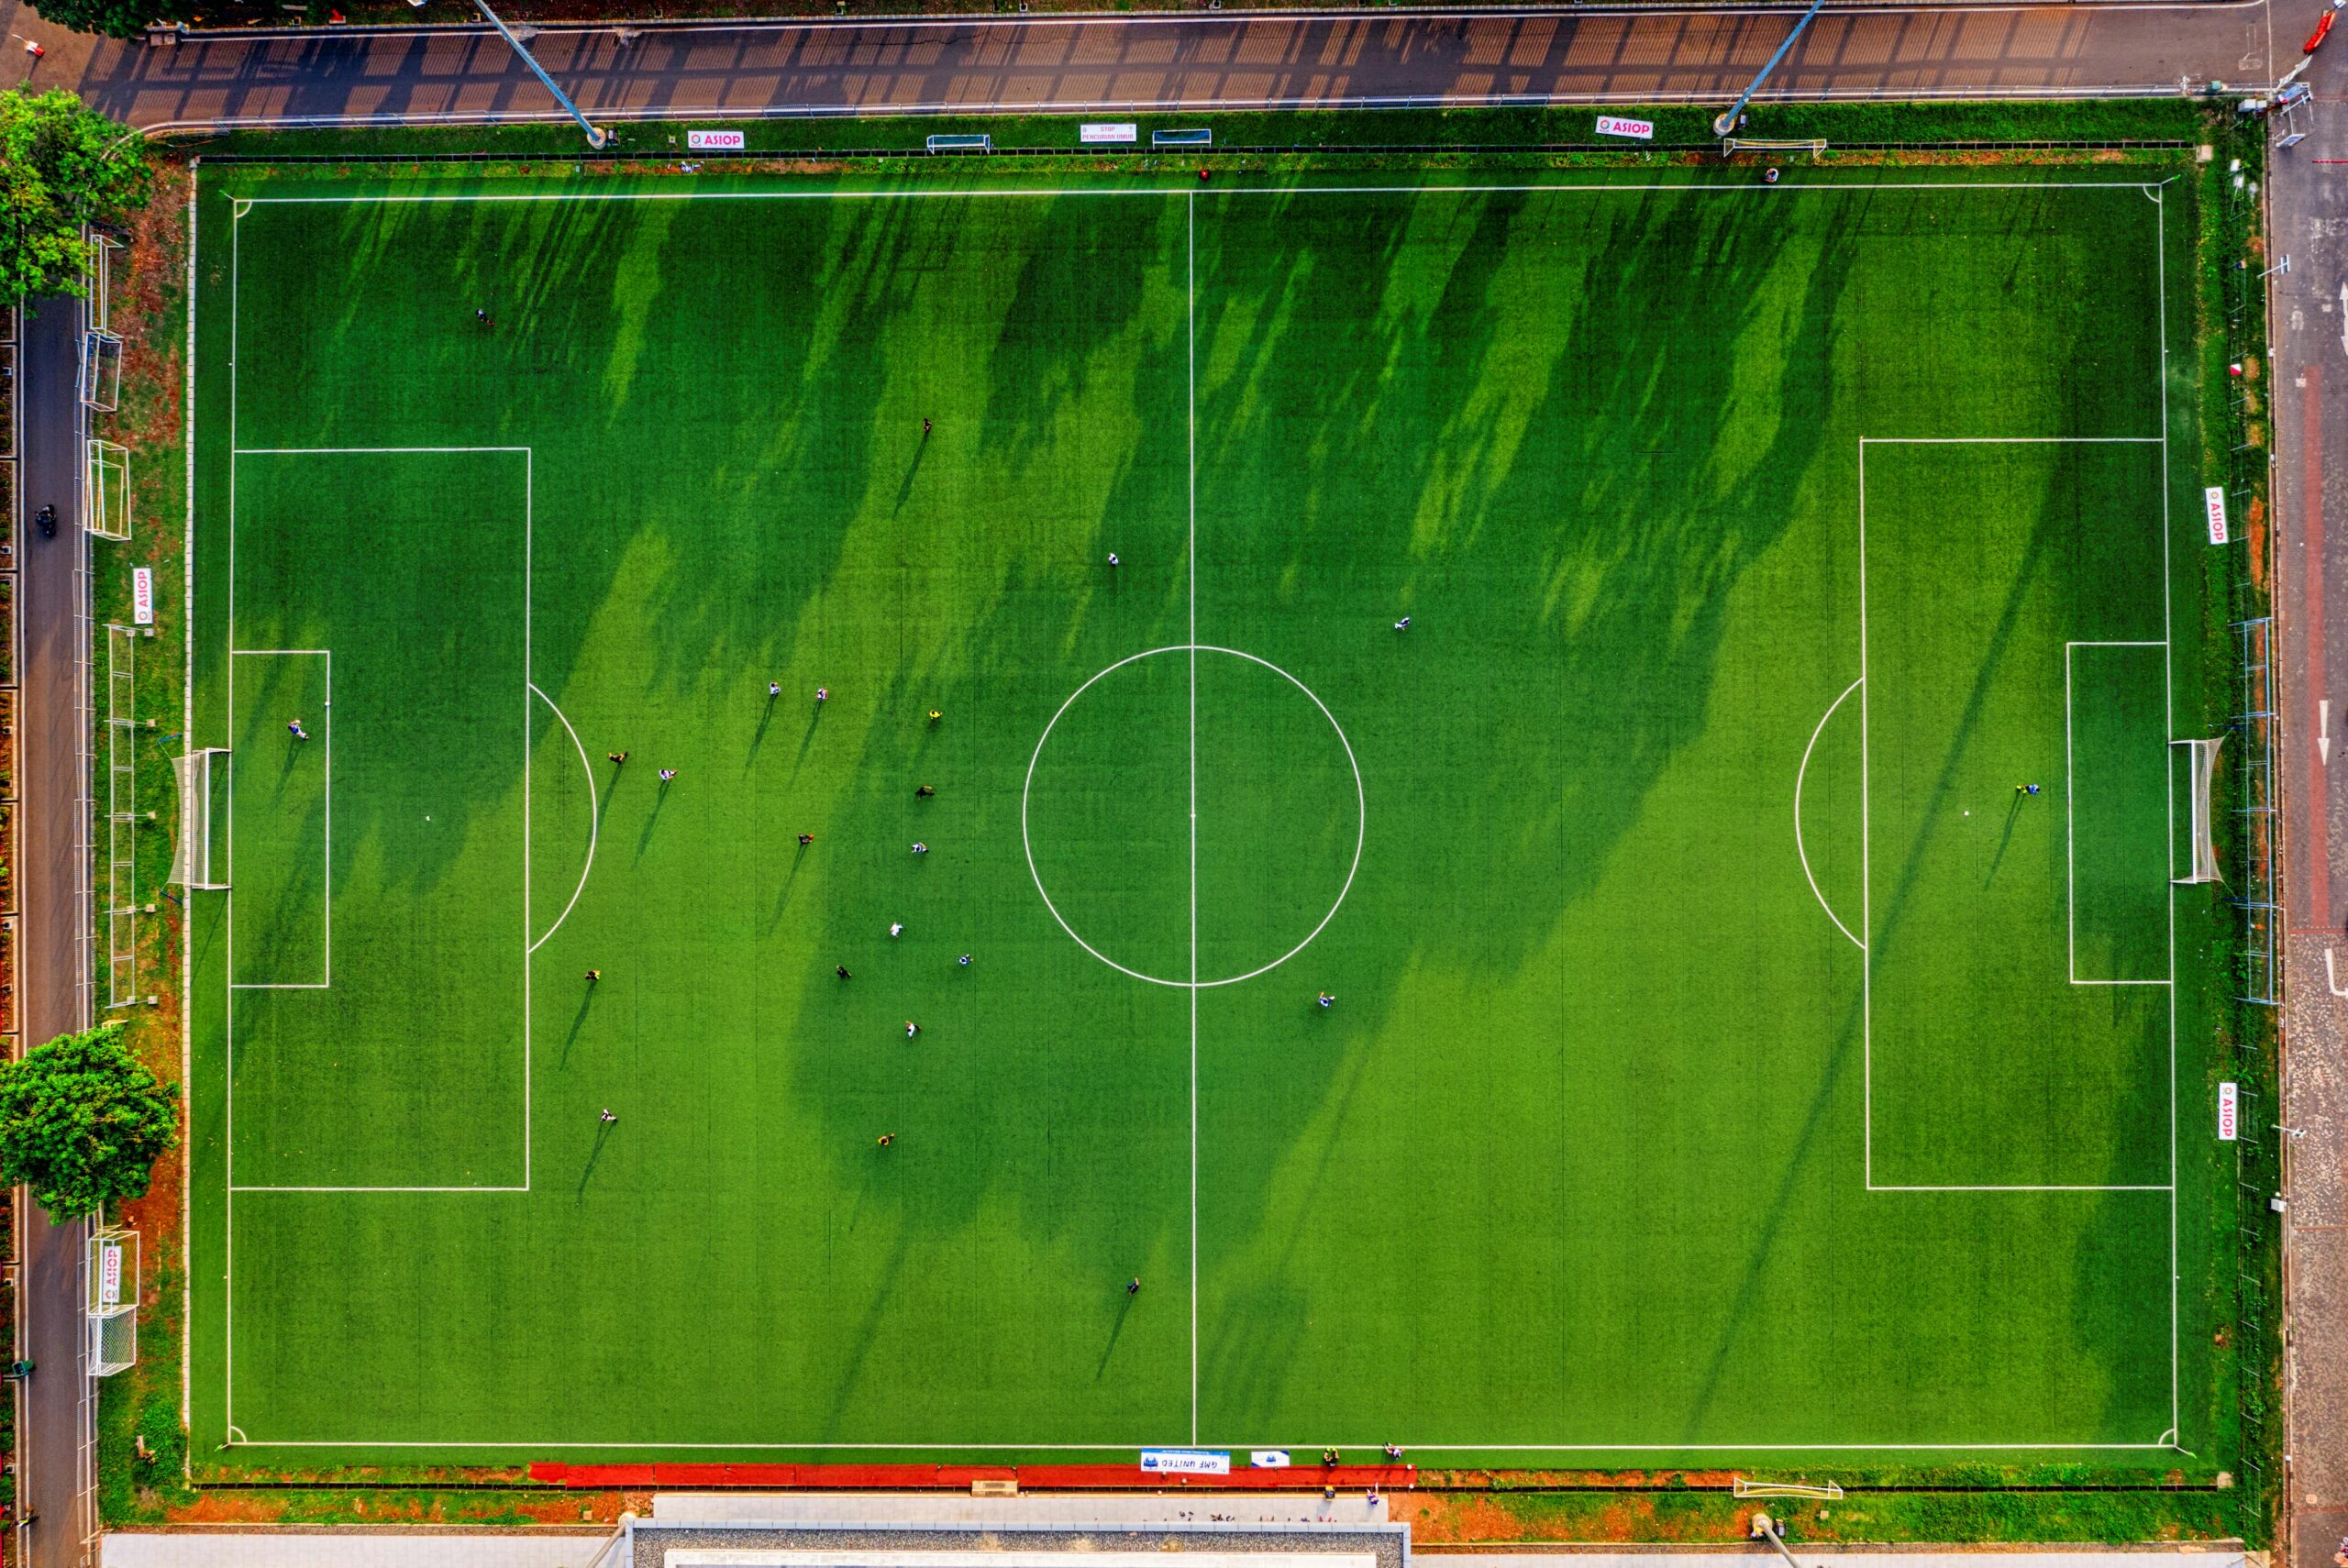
61	166
83	1121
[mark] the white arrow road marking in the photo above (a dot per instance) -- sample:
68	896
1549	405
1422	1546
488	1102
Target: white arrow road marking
2343	318
2323	729
2331	976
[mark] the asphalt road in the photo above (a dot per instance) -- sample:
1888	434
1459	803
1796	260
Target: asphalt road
1157	61
2307	195
51	793
1199	62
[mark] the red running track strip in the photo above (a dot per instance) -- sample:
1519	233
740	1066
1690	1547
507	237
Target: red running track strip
957	1478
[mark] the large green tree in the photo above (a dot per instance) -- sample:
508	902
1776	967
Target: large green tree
62	165
83	1121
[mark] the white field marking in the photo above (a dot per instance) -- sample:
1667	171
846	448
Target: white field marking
1867	1029
325	892
1561	187
2017	1187
594	817
236	210
2331	976
528	535
2070	811
1867	864
291	1186
1191	554
1800	774
1361	816
241	206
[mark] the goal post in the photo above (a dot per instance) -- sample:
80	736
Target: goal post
1824	1491
107	508
196	864
2201	767
101	371
113	1270
1733	145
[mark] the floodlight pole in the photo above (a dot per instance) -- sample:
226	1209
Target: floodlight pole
595	139
1764	1527
1726	122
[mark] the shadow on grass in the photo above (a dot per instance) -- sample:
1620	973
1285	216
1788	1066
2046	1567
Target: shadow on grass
644	839
1115	1331
602	1136
577	1020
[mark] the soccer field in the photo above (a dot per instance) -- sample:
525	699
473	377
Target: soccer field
1763	1023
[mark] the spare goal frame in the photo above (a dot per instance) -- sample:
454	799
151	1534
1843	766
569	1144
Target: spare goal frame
113	1299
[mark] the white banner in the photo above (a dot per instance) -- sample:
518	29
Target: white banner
2213	501
714	140
2229	1113
109	1273
143	596
1108	130
1269	1459
1184	1462
1638	130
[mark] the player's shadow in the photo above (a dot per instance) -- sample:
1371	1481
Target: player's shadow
806	739
782	897
905	489
602	1136
759	735
2014	816
578	1022
1115	1329
644	839
611	782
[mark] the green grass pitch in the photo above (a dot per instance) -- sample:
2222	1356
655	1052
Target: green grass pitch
1727	1058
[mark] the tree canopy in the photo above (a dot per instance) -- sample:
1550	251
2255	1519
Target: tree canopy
62	165
83	1121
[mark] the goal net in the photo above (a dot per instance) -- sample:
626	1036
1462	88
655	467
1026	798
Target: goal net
101	371
195	863
1825	1491
108	502
2201	765
114	1300
1732	146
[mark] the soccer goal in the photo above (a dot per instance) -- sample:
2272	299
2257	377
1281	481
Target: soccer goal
1732	146
2201	762
101	371
114	1300
1824	1491
107	505
196	864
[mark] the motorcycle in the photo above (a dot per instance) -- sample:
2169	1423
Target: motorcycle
48	519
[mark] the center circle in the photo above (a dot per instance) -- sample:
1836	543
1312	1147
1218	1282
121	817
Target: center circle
1193	815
